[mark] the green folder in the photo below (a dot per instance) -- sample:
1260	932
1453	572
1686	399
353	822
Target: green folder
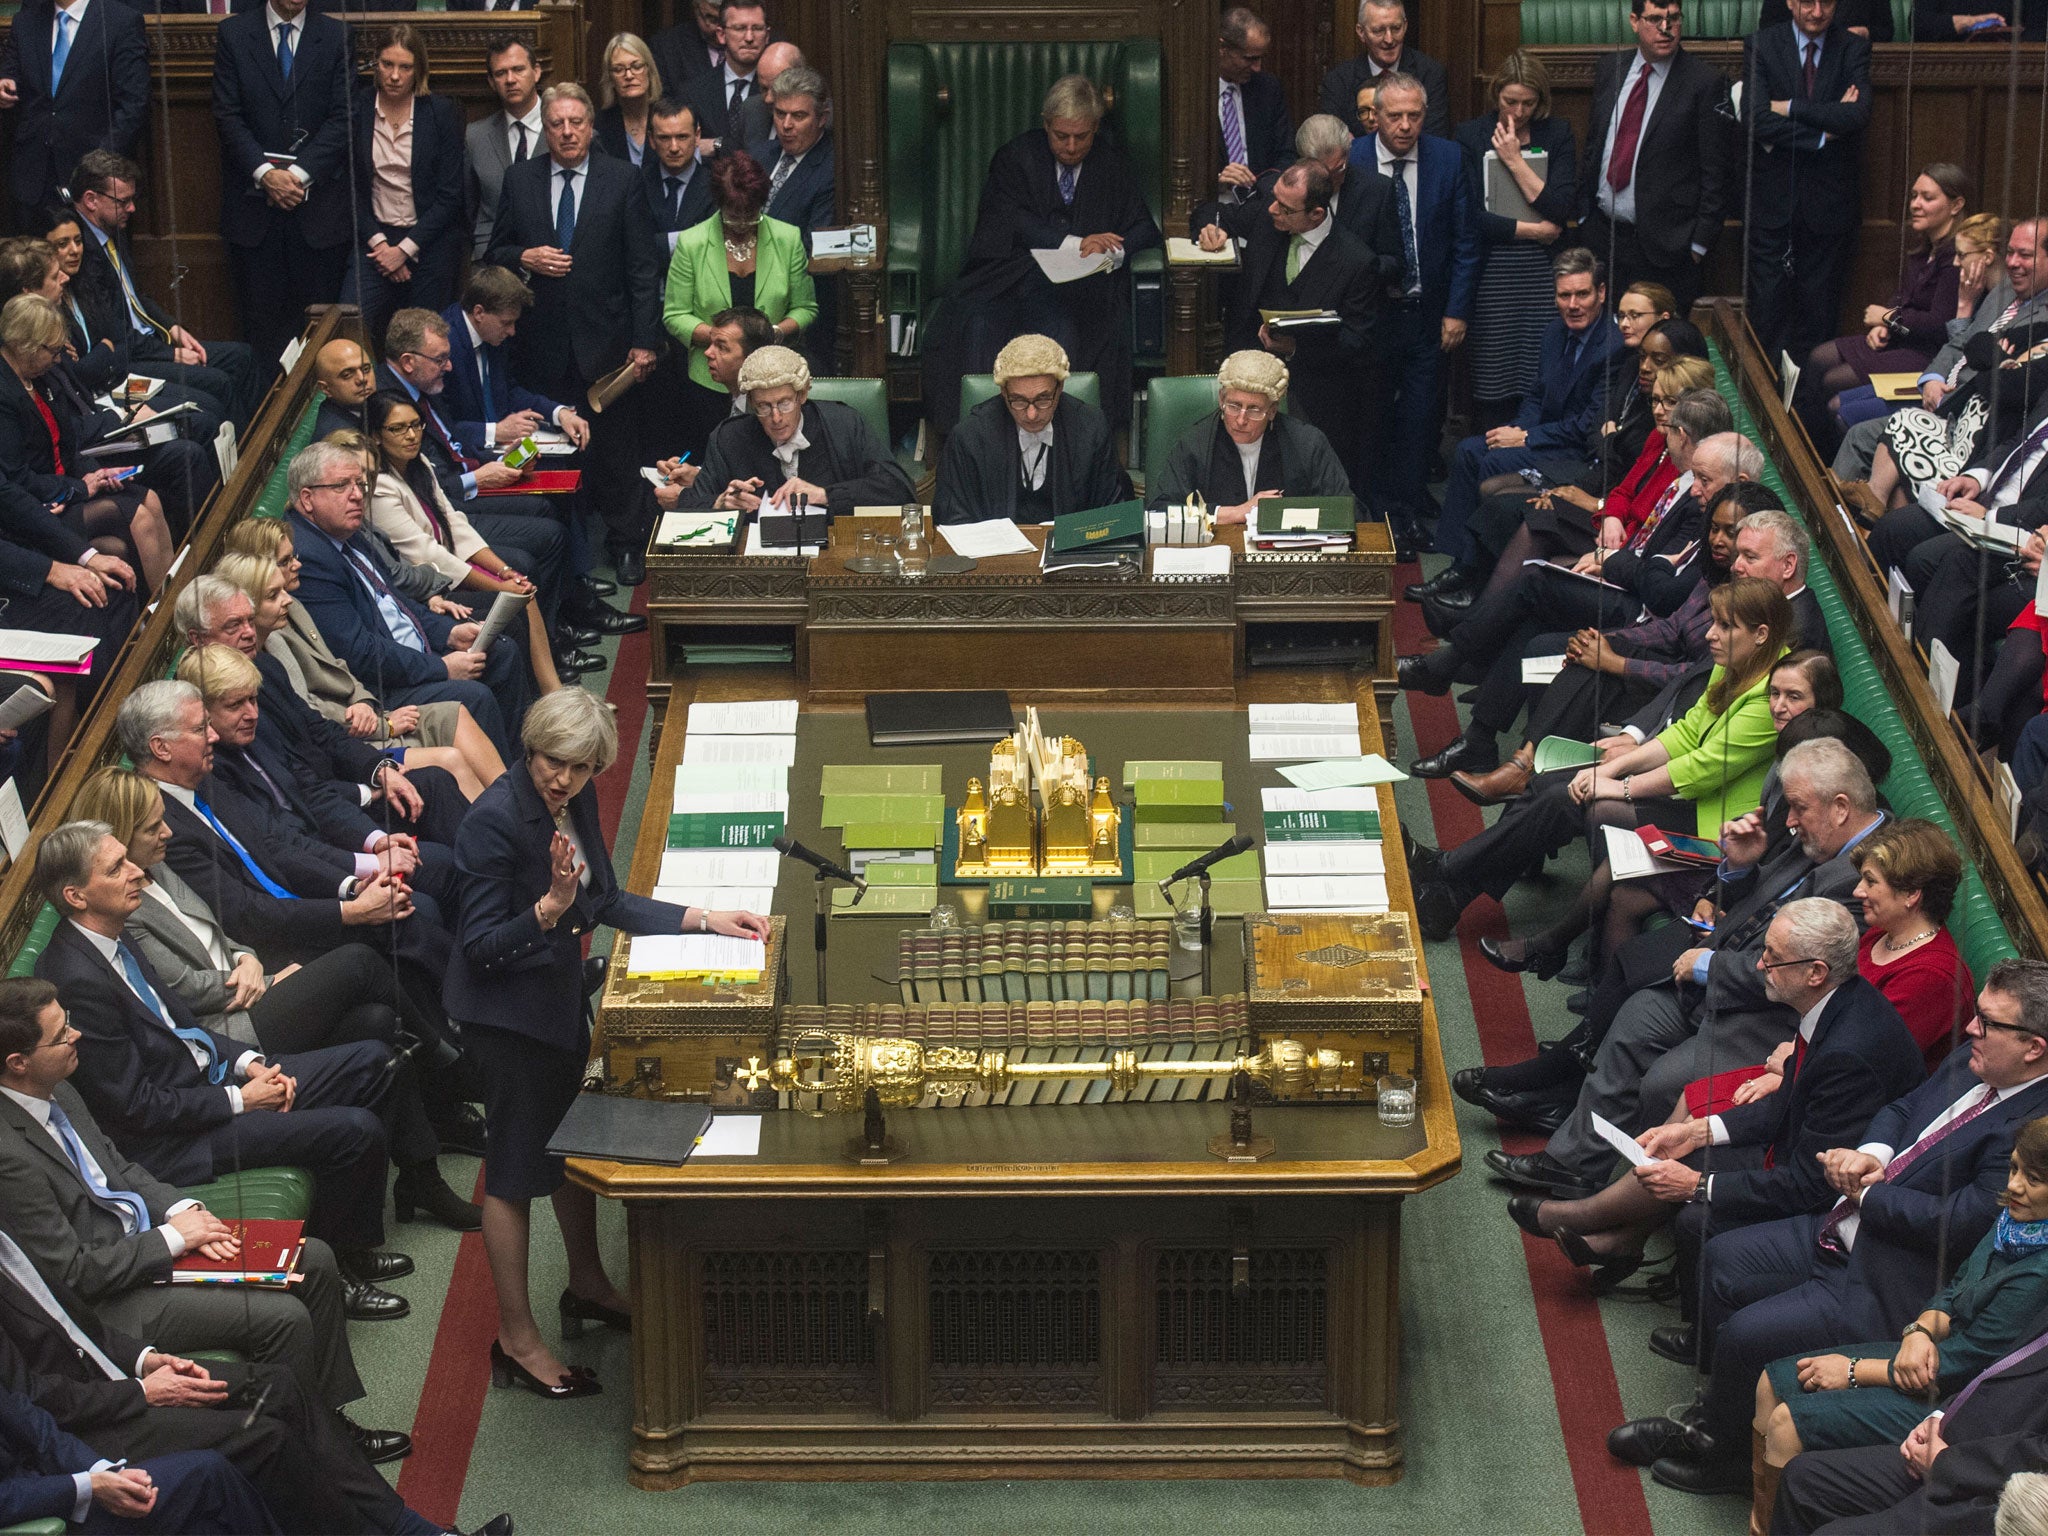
1322	826
1554	752
1198	835
1227	898
738	829
880	873
1169	768
890	834
883	901
1121	521
846	810
836	779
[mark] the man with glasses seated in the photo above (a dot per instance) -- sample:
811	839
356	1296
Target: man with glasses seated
1032	453
788	446
1246	451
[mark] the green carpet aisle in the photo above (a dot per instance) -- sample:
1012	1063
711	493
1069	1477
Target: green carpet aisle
1512	1376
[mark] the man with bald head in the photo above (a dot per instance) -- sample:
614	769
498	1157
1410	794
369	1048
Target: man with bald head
347	379
755	119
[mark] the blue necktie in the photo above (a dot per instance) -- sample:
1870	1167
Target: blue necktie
216	1069
284	49
565	212
1067	185
120	1201
241	853
65	22
1411	263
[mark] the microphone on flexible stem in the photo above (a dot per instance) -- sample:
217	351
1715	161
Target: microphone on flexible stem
1239	844
790	848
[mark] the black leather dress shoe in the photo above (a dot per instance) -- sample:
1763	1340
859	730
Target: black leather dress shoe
593	975
1468	1083
1522	1210
1462	756
1415	674
1676	1341
1452	578
365	1303
1538	1171
1541	1112
1703	1474
377	1445
630	566
423	1192
461	1130
1437	908
1546	963
600	619
1607	1273
1641	1442
1424	862
374	1265
578	661
497	1525
595	586
1442	615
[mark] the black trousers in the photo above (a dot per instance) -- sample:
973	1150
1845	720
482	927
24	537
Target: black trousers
228	385
1617	245
612	491
1398	436
1580	700
1796	272
1870	1491
275	280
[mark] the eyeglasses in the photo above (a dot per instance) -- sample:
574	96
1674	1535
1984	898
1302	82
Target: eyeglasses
1669	23
1034	403
776	408
438	359
1247	412
406	428
66	1035
1779	965
2014	1029
360	487
629	67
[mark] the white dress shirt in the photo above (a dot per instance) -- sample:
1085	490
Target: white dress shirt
1808	1022
38	1110
579	178
1845	1232
1248	456
161	1010
2017	472
531	123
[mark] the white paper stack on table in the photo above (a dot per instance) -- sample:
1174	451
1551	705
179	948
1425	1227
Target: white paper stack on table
736	762
1324	875
1293	733
988	538
695	954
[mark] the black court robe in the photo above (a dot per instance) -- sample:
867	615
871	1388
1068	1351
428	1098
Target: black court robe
855	467
1001	293
982	469
1294	458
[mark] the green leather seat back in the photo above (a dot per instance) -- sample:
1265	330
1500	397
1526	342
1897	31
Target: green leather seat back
258	1194
977	387
38	935
1974	922
271	503
50	1527
939	151
868	396
1172	405
1606	21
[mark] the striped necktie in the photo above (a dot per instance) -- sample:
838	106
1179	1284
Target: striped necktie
1829	1240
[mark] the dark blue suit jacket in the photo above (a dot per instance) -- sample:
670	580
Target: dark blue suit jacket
1268	125
697	205
101	103
349	618
462	395
137	1078
306	844
1568	403
806	199
37	1459
507	971
437	129
1446	232
256	110
1860	1059
280	928
1946	1201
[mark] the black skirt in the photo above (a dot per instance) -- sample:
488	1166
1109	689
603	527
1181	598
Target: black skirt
528	1087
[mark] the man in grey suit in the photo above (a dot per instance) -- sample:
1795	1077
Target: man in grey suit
511	133
108	1229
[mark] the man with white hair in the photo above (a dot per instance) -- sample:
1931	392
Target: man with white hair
1772	544
802	187
1059	180
1382	29
788	446
1032	453
1247	450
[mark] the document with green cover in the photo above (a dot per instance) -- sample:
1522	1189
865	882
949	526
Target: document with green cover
1120	522
1554	752
1307	514
756	829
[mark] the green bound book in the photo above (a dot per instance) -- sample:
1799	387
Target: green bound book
836	779
846	810
1288	514
1198	835
1178	799
883	901
1120	522
1322	826
880	873
1170	768
1061	897
1155	864
739	829
890	834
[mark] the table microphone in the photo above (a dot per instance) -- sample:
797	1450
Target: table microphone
1238	844
790	848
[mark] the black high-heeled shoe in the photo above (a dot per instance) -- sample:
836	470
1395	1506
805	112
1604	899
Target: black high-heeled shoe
506	1372
1546	963
423	1192
1607	1273
576	1311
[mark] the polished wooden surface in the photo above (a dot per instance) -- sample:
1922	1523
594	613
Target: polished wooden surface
1127	1194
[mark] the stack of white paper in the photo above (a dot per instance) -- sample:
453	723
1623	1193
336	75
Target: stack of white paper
700	868
1326	893
719	898
1294	733
1276	799
1178	562
1302	747
988	538
775	751
1342	772
736	778
1331	858
754	546
731	802
1264	719
668	954
757	717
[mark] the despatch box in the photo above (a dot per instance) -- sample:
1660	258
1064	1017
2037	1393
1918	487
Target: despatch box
682	1039
1345	982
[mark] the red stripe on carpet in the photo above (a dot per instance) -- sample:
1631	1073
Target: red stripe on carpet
458	1373
1582	1378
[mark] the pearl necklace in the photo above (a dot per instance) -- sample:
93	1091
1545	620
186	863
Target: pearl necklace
1895	947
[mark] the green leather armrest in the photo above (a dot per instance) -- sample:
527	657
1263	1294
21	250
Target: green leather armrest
38	935
977	387
868	396
258	1194
50	1527
1172	405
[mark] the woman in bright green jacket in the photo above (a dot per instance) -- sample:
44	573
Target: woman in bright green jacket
736	259
1704	769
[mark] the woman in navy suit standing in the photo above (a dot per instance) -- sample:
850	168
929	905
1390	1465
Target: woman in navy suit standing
408	186
535	878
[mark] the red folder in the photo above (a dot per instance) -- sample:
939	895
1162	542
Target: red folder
270	1250
543	482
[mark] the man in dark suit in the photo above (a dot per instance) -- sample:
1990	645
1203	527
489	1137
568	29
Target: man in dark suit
719	91
1685	1007
755	120
197	1105
1430	306
1382	28
1658	148
798	159
1915	1192
494	141
280	100
692	47
347	379
577	224
678	189
1361	203
78	79
1806	102
1251	106
221	376
1296	257
1569	400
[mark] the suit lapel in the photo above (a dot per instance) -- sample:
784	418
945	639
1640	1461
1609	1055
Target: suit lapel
38	1139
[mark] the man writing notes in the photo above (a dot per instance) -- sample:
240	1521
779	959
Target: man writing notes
1043	188
1032	453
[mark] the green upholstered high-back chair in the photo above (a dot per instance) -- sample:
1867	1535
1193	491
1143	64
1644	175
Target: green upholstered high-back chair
939	149
868	396
1172	405
1606	21
977	387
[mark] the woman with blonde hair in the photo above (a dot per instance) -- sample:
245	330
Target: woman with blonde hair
626	94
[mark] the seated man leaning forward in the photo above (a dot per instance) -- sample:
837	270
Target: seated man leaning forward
1246	451
787	445
1032	453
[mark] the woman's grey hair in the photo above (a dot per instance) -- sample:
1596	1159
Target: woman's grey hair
30	320
775	368
1826	766
1255	372
572	725
1322	135
1821	928
315	462
1786	533
151	711
64	857
1073	97
203	597
2023	1507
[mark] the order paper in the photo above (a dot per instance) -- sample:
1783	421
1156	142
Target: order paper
775	751
759	717
1327	893
731	1136
719	898
1278	748
697	868
1066	264
1541	669
1276	799
1181	562
987	539
746	778
669	954
1343	772
1622	1142
732	802
1347	858
1268	718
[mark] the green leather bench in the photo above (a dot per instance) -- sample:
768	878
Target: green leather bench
271	501
1974	922
951	105
977	387
1552	22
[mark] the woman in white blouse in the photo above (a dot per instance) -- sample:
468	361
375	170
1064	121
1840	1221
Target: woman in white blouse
407	506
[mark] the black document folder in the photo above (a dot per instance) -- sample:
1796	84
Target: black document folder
924	719
616	1130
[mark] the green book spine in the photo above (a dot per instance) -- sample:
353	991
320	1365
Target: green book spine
706	829
1322	826
889	834
1196	836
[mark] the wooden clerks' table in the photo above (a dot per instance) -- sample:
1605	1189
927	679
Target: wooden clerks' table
1051	1290
1004	625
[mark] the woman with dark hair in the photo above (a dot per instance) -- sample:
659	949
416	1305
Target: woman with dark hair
1904	335
736	258
408	184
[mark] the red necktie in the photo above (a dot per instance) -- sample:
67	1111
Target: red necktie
1791	1077
441	436
1812	65
1621	165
